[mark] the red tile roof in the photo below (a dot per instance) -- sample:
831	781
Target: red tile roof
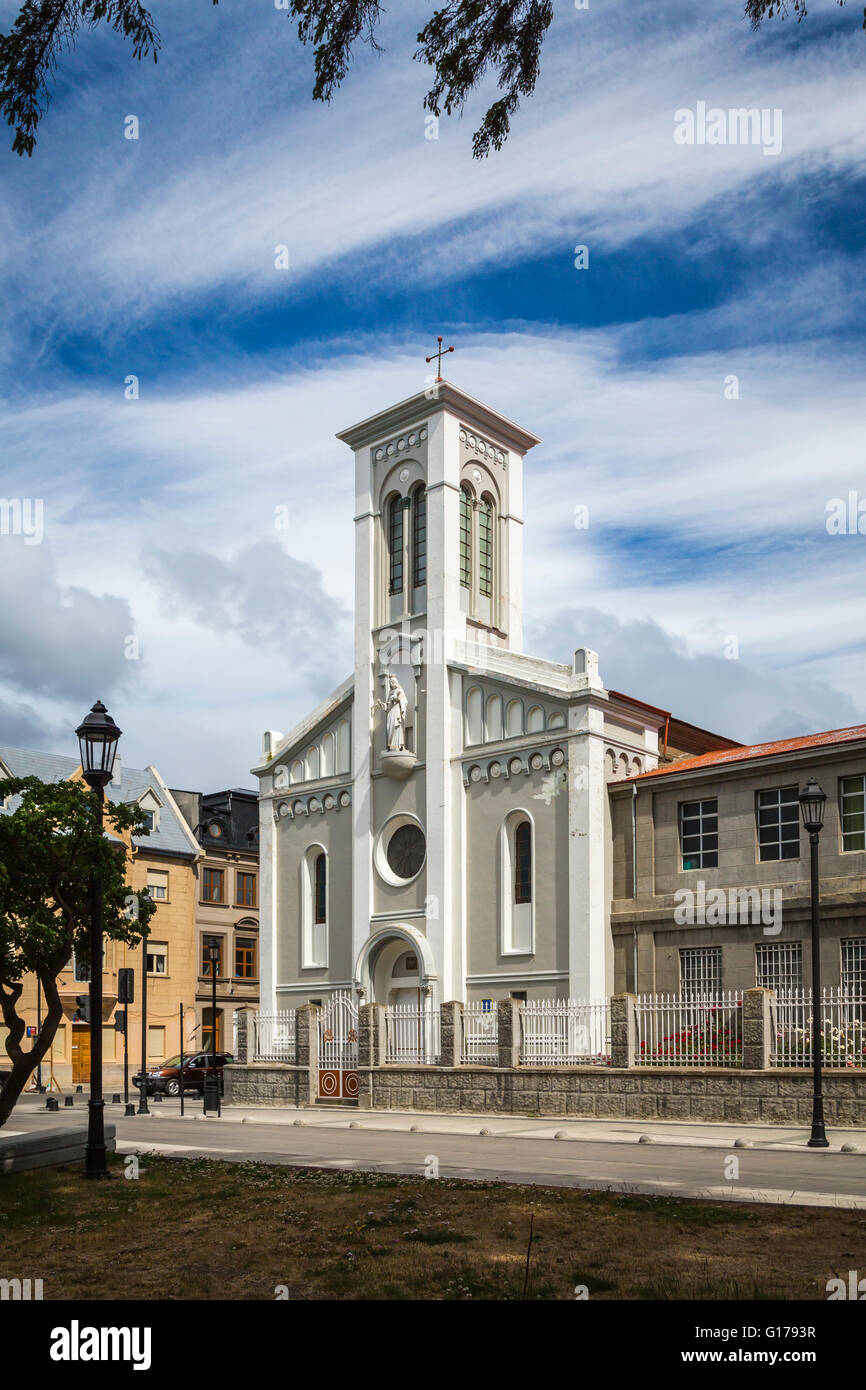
856	734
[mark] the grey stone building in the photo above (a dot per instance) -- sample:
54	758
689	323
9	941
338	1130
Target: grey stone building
711	869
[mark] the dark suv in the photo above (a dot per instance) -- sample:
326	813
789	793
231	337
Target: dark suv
166	1077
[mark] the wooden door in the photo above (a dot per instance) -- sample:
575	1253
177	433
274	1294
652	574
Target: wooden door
80	1053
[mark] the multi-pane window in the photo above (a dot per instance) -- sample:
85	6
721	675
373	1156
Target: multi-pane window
245	890
212	885
206	968
210	1043
854	967
157	885
485	548
699	834
465	539
395	546
700	971
779	966
419	538
853	805
320	890
245	957
523	863
157	958
779	824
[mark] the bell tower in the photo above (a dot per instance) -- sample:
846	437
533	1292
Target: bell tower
438	564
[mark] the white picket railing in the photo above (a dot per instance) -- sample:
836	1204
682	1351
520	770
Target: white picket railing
565	1032
690	1031
843	1028
411	1033
480	1035
274	1036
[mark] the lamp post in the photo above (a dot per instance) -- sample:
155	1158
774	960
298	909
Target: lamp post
212	951
142	1090
97	740
812	800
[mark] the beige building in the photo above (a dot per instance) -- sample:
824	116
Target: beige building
226	827
166	862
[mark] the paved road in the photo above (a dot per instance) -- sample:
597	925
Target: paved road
684	1167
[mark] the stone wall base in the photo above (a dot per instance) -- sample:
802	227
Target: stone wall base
662	1093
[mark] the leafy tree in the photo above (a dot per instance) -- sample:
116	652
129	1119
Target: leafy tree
463	42
51	846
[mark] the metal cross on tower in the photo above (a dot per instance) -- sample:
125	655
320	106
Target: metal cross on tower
439	355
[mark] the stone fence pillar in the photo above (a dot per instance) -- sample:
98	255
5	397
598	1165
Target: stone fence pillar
623	1030
245	1041
508	1032
451	1035
371	1035
757	1029
307	1035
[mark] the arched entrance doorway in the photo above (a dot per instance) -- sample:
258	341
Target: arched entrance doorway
395	966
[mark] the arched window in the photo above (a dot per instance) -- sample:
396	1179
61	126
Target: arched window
517	924
320	912
314	908
523	863
485	548
474	715
419	538
465	538
326	764
493	728
395	545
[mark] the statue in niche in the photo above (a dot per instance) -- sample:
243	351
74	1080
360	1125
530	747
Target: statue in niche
395	708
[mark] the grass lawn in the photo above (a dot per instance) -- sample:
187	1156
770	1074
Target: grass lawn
198	1229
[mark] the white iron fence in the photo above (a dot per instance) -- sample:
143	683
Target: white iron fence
480	1035
565	1032
274	1036
843	1028
411	1033
690	1031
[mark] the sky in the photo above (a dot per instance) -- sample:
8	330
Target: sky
698	384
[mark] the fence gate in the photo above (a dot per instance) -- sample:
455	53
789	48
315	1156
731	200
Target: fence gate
338	1048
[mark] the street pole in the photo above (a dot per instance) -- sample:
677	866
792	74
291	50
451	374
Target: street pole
181	1059
39	1087
818	1139
213	1020
95	1165
126	1056
142	1098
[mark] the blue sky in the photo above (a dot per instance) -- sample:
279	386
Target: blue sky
155	257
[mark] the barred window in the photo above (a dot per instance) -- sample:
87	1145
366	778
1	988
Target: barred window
853	813
465	539
854	966
779	966
779	824
485	548
419	538
395	546
700	971
699	834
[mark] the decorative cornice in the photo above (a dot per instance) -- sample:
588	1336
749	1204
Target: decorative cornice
311	804
478	447
414	438
490	768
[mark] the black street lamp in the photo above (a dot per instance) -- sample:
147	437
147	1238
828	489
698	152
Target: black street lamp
97	739
212	951
812	800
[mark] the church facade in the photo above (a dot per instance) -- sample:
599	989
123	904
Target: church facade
439	827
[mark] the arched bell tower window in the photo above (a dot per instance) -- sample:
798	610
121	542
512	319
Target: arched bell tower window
419	538
314	908
395	545
517	860
465	538
485	547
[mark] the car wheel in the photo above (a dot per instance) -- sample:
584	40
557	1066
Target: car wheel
172	1087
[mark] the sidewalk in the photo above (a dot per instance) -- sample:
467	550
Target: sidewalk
607	1131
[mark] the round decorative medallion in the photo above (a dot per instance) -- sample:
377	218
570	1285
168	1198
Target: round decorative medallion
472	441
536	761
423	434
515	765
404	474
313	804
380	454
475	774
477	475
500	458
406	850
401	444
413	440
557	757
345	798
329	803
389	451
495	770
462	436
284	808
298	807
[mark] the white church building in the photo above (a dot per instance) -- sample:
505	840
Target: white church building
439	827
